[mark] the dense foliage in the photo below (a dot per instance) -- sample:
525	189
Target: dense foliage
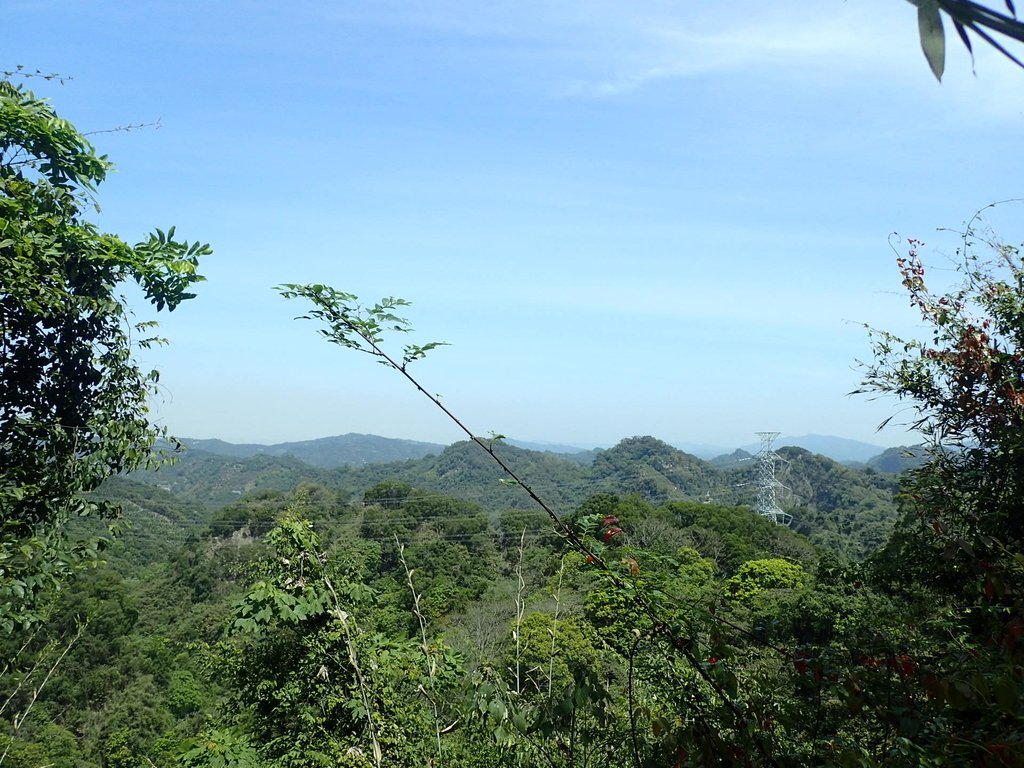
73	410
960	544
424	613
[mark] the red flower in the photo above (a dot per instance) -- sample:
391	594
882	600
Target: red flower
905	666
611	533
609	520
712	659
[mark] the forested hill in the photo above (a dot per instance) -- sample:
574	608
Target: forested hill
210	480
174	599
351	449
899	459
154	521
845	509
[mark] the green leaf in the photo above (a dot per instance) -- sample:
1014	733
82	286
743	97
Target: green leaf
519	722
496	708
933	36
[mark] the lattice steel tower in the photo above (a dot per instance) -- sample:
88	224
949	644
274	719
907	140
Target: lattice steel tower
766	505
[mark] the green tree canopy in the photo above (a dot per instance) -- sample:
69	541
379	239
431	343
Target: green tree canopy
73	399
962	535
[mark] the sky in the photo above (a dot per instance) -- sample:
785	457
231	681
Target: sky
626	218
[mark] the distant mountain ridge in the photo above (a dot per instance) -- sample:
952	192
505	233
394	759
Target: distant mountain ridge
850	509
352	449
839	449
357	450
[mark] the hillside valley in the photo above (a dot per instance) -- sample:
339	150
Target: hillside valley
852	508
433	546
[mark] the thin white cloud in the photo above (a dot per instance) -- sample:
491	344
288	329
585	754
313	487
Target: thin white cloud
811	42
869	44
606	49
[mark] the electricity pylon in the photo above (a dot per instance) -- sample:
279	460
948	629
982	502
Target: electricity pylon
766	505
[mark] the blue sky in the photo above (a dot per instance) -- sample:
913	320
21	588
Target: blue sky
626	218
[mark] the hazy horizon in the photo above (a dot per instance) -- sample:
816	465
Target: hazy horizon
697	444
